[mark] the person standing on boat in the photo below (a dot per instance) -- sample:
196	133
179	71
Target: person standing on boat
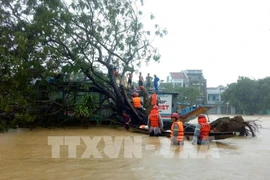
127	120
177	130
156	79
201	132
155	122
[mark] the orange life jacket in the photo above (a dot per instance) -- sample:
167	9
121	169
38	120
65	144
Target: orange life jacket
180	136
154	99
205	129
154	118
137	102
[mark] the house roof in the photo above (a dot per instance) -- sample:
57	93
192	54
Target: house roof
178	75
214	88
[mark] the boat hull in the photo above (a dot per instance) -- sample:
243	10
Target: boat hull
189	135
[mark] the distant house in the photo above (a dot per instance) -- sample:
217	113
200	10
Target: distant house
189	78
178	78
214	94
210	96
214	99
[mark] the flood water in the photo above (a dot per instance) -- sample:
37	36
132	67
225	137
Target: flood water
107	153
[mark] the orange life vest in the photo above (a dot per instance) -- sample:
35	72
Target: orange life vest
154	99
180	136
154	118
205	129
137	102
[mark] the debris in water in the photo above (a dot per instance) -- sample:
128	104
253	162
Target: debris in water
236	124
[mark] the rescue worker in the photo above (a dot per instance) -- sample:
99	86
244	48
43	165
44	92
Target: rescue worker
137	103
177	130
201	132
155	122
154	99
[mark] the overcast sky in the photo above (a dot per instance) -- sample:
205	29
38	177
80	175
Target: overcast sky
224	38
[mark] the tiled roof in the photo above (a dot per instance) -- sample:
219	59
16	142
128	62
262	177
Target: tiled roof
178	75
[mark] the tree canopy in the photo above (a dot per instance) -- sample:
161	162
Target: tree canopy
249	96
185	94
40	38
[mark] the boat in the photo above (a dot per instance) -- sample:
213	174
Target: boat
167	105
186	115
189	132
192	112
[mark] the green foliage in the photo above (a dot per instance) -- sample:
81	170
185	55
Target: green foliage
81	110
86	106
168	87
3	126
26	117
185	94
248	96
263	91
40	38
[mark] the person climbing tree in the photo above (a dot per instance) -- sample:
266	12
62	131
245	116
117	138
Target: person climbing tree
130	76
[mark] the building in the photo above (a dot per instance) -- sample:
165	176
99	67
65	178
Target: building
214	99
210	96
196	79
178	78
188	78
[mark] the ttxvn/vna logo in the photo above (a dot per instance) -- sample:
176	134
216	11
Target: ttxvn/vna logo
125	147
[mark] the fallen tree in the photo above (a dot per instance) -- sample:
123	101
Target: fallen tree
103	40
236	124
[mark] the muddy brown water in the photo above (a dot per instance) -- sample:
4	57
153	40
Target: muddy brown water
107	153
